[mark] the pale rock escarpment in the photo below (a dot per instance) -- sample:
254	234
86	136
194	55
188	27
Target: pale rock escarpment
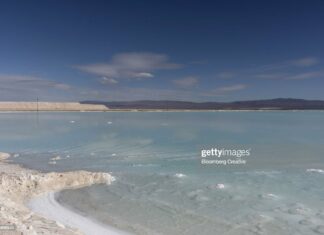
50	106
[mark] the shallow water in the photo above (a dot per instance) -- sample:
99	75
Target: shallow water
162	188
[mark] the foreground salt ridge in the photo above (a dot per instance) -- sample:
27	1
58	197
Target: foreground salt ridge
18	185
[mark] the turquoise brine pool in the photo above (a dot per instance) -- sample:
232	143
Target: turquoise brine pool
161	186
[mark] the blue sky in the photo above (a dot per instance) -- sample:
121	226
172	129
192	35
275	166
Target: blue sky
176	50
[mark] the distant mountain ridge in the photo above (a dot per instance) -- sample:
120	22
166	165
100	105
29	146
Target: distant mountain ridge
268	104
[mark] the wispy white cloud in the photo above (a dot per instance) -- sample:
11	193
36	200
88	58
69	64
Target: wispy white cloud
299	63
280	70
270	75
132	93
307	75
105	80
23	87
225	90
296	69
291	75
305	62
130	65
31	82
143	75
231	88
62	86
186	82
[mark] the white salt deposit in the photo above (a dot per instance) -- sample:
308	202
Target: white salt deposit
56	158
316	170
180	175
220	186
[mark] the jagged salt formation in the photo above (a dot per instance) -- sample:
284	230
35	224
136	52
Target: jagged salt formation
18	185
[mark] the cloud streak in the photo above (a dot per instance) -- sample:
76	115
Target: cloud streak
236	87
305	62
22	87
21	81
225	90
298	69
291	75
186	82
105	80
225	75
132	65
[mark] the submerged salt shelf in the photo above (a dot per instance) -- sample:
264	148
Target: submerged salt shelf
161	186
47	206
244	203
